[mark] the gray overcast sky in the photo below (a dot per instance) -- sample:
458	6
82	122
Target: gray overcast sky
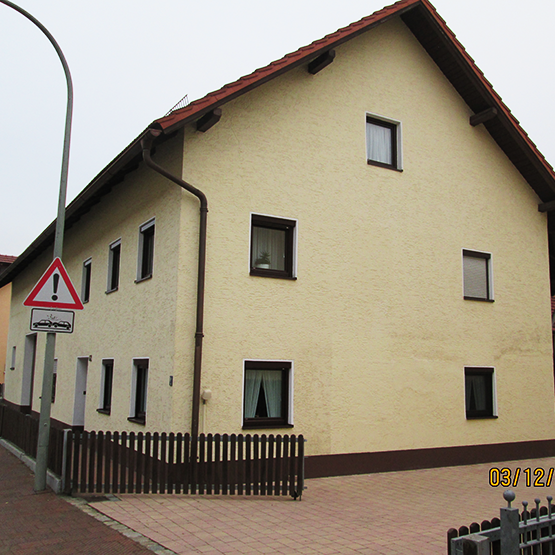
132	60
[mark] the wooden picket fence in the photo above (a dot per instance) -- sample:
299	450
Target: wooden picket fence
121	462
23	430
112	462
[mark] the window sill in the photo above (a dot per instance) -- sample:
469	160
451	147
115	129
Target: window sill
386	166
146	278
479	299
111	291
263	425
137	420
103	411
270	274
490	417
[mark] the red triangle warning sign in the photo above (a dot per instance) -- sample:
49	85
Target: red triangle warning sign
54	290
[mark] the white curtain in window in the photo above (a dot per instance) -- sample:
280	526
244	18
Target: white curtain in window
476	392
253	379
272	391
270	241
378	140
475	277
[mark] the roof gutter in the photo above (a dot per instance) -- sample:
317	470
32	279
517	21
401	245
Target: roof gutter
146	145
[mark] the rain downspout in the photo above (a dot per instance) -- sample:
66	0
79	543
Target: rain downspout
146	145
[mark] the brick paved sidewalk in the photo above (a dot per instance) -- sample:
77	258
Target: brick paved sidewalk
393	513
43	523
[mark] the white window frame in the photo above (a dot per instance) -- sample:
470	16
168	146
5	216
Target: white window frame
86	264
291	387
132	404
112	247
295	241
142	228
399	140
489	270
493	391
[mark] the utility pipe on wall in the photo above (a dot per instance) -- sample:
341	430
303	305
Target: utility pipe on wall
146	145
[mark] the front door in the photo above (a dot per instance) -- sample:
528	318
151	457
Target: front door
80	392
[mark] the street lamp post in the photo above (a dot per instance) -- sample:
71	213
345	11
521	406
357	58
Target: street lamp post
46	399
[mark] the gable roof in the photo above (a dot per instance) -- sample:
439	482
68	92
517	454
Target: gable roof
435	37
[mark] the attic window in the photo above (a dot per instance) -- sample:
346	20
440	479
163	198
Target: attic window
383	142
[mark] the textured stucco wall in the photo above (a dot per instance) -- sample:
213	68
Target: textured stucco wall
5	298
376	323
136	321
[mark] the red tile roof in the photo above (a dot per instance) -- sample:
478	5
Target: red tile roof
232	90
244	84
7	258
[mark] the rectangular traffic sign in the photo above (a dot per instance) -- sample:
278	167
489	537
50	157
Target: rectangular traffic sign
50	320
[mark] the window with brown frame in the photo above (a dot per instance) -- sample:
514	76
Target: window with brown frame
477	276
86	281
479	392
139	391
146	251
272	247
266	394
106	386
114	257
382	139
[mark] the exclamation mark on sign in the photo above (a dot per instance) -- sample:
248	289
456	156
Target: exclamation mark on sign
56	278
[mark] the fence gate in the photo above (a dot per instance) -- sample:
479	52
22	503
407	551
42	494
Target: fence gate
113	462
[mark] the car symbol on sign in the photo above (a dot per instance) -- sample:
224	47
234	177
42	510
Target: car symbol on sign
52	324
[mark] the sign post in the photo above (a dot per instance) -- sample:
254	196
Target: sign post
44	423
53	291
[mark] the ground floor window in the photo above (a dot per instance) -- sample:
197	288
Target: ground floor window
479	392
139	391
106	387
267	394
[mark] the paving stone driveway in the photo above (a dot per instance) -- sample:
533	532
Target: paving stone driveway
389	513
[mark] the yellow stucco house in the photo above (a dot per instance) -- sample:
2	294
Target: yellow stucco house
375	274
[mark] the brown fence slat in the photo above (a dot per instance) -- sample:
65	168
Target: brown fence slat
155	465
108	450
99	461
83	467
123	462
248	465
171	462
285	467
178	462
240	465
148	463
271	464
217	475
163	463
209	463
263	464
186	470
202	464
132	464
115	462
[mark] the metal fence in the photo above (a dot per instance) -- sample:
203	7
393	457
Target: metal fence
514	533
